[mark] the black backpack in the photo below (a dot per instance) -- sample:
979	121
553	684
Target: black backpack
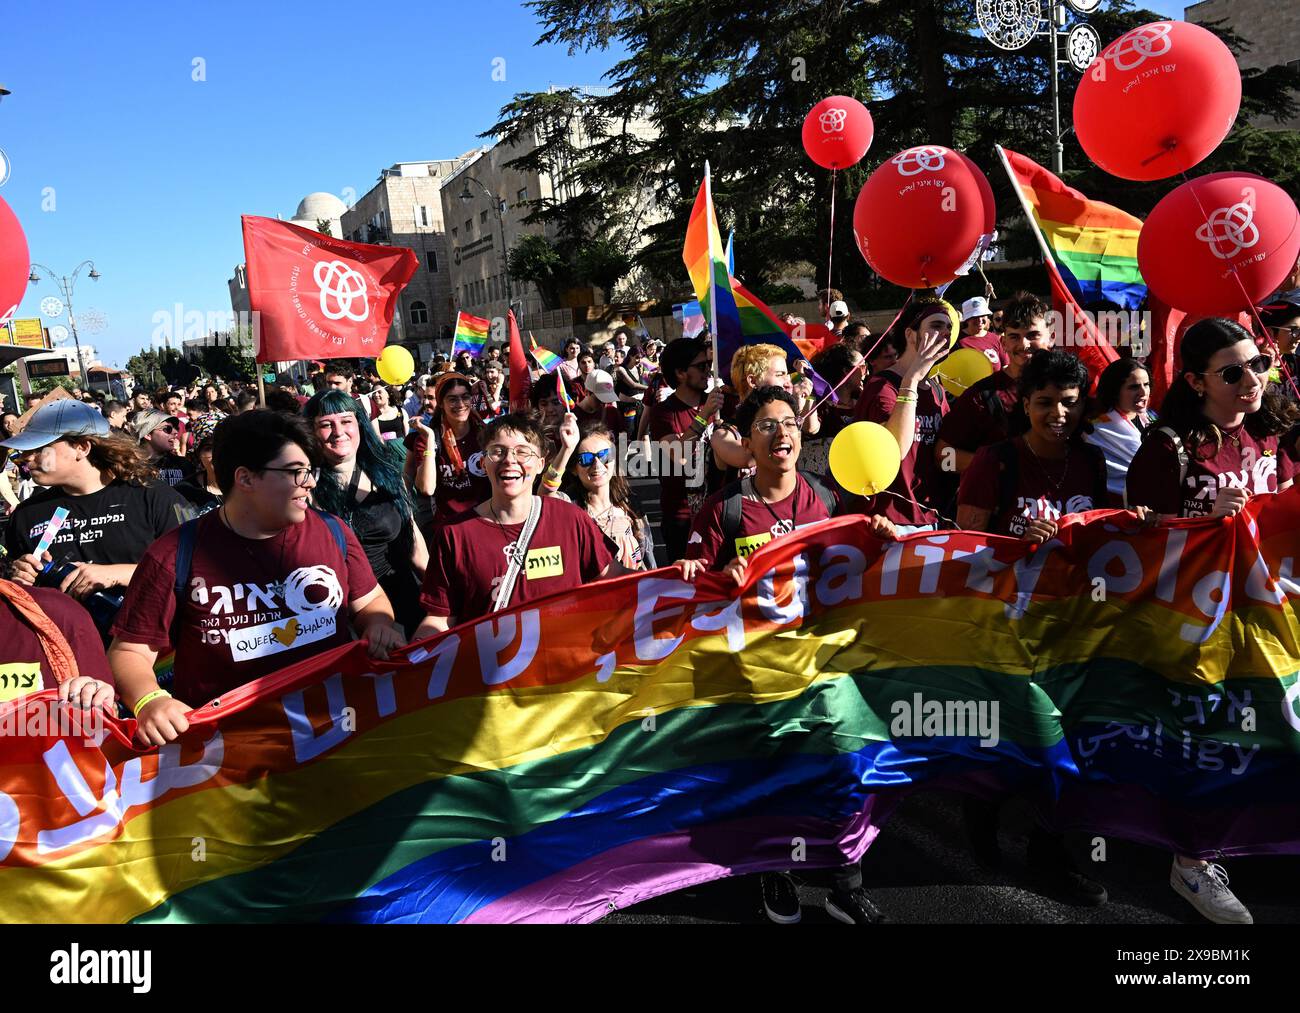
732	505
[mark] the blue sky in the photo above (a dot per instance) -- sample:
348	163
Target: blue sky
151	169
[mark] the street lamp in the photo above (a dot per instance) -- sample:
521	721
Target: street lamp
466	195
67	285
3	92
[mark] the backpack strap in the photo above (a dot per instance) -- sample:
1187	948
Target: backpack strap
1008	475
1180	450
336	529
823	492
732	507
187	536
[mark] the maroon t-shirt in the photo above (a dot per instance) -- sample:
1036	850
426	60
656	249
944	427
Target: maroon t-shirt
24	667
606	413
759	523
990	344
671	417
457	491
971	425
469	555
908	499
1044	489
1253	465
255	605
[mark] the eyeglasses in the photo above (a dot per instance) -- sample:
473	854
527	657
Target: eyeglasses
169	430
1293	332
701	366
301	476
589	457
768	426
1232	374
458	400
521	454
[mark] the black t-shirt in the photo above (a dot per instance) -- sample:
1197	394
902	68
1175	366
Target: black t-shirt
173	469
114	525
384	533
197	494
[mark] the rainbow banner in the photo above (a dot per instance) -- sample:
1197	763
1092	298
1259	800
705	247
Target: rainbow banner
471	334
706	263
1093	245
562	392
691	316
543	356
587	751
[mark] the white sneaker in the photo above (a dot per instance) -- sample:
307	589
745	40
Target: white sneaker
1205	887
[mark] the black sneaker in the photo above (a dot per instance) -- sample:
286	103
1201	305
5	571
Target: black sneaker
1054	871
980	821
853	907
780	898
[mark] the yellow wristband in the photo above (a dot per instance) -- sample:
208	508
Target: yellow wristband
148	698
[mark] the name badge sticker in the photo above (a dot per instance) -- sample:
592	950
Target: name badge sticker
18	678
545	562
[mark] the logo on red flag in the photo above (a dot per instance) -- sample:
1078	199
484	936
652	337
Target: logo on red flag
319	296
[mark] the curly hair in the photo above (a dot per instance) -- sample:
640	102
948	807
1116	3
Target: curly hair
117	456
749	363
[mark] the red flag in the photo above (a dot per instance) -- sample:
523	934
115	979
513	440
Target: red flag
1088	343
321	297
1166	323
521	380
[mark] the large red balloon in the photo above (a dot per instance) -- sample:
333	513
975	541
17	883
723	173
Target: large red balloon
1194	239
920	215
837	132
15	263
1157	100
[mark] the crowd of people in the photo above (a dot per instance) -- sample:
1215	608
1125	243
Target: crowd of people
243	536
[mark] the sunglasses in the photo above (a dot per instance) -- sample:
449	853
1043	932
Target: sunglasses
589	457
169	430
1231	375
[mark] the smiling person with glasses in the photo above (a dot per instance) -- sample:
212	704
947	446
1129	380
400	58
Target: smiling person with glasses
270	581
443	459
515	546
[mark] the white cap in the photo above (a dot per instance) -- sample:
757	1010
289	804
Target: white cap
976	306
839	308
601	386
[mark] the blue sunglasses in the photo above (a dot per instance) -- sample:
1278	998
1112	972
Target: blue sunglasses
589	457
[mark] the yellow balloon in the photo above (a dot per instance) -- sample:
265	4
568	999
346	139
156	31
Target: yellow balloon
395	365
961	369
865	458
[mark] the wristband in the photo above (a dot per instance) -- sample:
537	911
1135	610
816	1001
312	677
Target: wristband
147	699
703	423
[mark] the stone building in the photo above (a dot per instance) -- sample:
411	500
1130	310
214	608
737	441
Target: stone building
404	209
1271	28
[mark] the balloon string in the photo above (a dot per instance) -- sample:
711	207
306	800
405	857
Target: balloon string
861	365
1250	303
830	253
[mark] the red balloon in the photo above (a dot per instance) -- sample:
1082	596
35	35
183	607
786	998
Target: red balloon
1195	237
920	215
1157	100
15	263
837	132
986	192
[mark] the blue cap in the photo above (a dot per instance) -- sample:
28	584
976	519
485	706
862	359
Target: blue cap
64	417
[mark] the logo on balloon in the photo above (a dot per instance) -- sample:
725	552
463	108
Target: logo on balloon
1232	229
341	286
1134	49
917	160
833	120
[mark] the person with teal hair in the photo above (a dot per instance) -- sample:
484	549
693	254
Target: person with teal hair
362	483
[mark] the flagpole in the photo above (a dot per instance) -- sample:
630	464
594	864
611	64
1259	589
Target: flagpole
713	281
455	331
1024	204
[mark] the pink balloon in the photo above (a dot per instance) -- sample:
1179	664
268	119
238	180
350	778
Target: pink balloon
15	262
1157	100
920	215
1209	228
837	132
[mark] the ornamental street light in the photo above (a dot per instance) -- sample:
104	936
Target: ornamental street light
67	284
467	195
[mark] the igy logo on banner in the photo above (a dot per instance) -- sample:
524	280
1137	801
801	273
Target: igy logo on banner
340	287
1134	49
1230	230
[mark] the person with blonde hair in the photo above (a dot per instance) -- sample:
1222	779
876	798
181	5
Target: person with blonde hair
754	366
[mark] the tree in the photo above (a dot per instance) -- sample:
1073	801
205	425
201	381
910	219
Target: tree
535	259
731	80
323	227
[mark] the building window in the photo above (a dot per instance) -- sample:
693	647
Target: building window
455	233
469	227
419	314
482	217
431	260
522	195
424	216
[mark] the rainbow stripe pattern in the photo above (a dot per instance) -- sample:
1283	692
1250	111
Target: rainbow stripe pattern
471	334
543	356
557	761
1093	244
706	263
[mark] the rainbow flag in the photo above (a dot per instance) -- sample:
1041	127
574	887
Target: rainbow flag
542	355
562	392
706	262
1094	245
759	325
691	316
471	334
589	750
